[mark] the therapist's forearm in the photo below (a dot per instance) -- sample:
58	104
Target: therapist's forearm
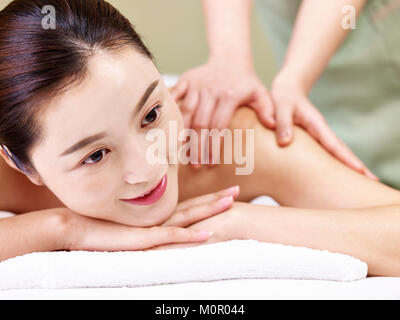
317	34
228	30
371	235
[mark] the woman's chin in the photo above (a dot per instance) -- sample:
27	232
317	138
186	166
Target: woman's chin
152	215
152	218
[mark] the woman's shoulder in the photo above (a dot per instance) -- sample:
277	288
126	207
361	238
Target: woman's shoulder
244	118
19	195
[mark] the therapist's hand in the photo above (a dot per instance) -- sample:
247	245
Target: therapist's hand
292	106
210	94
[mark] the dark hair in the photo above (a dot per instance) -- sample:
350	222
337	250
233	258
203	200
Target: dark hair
37	62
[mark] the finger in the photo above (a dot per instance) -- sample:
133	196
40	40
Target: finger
179	90
156	236
188	107
190	215
221	119
174	246
201	149
110	236
203	113
265	109
370	175
194	149
231	191
316	125
201	120
340	151
223	114
284	124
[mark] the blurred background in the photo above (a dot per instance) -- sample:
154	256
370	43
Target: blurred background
174	32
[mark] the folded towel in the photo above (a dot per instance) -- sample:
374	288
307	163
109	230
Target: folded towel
235	259
6	214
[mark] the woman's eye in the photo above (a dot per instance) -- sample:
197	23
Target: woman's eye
151	116
95	157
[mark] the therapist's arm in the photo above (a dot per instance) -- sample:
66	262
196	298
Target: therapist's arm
228	30
317	35
210	93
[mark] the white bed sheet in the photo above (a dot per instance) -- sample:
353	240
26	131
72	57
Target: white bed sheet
243	289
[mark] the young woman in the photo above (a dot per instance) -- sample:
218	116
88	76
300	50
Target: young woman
76	105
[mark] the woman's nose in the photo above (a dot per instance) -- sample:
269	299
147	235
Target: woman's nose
142	175
137	168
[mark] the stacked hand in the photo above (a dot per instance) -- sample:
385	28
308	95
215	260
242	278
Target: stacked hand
85	233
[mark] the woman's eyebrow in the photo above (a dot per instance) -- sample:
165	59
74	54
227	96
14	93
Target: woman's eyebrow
146	96
84	142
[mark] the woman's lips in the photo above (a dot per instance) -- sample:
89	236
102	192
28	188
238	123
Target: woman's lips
150	196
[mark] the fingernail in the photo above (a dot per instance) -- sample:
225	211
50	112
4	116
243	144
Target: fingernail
205	234
225	201
284	136
371	175
272	124
232	190
357	165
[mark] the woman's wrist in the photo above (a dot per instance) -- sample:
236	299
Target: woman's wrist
241	220
59	228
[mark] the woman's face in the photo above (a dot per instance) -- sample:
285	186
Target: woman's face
93	155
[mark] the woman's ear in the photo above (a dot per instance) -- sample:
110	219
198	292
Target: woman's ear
7	159
32	176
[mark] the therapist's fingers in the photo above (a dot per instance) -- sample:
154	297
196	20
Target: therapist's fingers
201	120
179	90
203	113
316	125
284	123
223	114
221	119
188	106
264	107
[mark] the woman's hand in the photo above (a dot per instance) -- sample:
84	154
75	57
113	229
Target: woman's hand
85	233
210	94
293	107
197	209
225	226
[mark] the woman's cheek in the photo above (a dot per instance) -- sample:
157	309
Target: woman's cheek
172	124
92	196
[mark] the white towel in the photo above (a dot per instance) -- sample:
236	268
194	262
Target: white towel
236	259
6	214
